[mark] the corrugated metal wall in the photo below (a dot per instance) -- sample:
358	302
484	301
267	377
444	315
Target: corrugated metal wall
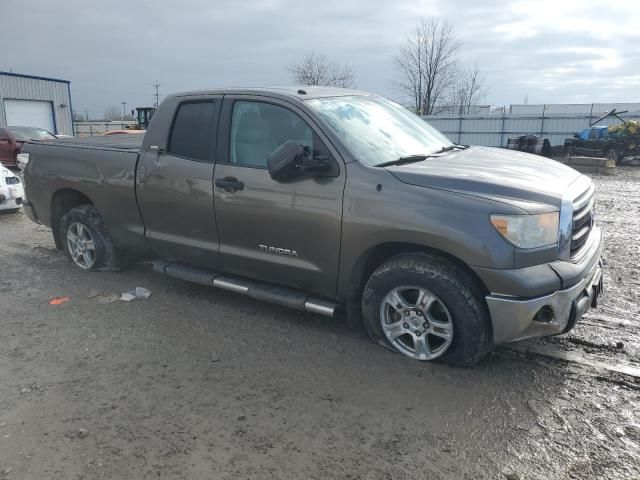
89	129
495	130
574	108
18	87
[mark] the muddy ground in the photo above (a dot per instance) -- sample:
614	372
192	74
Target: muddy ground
196	383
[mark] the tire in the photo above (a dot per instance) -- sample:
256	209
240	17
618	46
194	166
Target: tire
84	225
569	151
464	318
612	154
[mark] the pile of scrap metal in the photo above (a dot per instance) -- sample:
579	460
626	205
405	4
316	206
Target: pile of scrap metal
629	127
614	142
530	144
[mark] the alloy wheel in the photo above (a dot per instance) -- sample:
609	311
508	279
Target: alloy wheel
416	322
81	244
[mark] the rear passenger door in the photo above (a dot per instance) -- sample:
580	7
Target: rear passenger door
175	186
282	232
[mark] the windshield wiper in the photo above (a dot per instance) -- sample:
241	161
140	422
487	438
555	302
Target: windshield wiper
451	147
403	160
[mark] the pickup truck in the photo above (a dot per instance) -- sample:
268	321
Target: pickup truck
330	200
597	141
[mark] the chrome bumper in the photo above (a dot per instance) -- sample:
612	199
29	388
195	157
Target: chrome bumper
514	319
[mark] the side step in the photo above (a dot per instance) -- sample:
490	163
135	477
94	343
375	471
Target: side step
287	297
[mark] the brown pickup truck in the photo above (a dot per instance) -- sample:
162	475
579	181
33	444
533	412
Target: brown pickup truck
326	200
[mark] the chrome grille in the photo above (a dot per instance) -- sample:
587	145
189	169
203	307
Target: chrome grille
582	221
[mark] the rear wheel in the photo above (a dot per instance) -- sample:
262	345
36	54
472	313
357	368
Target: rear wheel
86	241
426	307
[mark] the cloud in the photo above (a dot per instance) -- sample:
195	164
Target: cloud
549	50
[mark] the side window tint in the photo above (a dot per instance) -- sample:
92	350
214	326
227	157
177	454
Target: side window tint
192	130
257	129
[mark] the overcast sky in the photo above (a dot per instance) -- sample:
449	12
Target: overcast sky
112	51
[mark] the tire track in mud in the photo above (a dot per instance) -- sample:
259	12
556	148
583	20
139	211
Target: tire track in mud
628	369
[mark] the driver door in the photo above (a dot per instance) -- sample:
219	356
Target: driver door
287	233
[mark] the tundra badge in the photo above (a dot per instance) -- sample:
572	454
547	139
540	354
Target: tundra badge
278	250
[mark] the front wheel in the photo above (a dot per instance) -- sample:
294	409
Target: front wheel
426	307
613	154
86	241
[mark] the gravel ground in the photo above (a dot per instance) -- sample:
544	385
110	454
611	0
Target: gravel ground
197	383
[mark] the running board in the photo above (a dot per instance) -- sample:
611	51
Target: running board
287	297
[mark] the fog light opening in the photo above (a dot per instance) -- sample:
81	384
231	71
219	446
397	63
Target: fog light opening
544	315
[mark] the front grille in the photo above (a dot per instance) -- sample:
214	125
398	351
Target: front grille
582	222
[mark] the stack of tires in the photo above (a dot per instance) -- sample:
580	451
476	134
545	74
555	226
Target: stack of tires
530	144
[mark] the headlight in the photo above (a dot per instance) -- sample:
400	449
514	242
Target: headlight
528	231
21	160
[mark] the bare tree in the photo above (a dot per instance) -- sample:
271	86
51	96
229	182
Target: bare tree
427	64
112	113
469	89
317	69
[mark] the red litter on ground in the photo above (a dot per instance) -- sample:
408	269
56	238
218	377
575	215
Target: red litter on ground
58	300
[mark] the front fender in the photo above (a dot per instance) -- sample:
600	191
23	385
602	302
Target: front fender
396	212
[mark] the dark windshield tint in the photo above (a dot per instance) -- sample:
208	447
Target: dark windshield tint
30	133
377	130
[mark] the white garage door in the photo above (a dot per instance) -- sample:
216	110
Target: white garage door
29	113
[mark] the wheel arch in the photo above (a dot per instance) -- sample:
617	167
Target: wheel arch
62	201
375	256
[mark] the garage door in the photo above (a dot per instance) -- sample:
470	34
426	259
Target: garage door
29	113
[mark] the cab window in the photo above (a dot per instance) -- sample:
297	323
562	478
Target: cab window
192	131
257	129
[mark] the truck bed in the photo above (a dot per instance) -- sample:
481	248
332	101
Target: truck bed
125	141
101	168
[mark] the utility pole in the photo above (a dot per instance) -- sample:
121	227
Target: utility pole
157	94
124	109
86	115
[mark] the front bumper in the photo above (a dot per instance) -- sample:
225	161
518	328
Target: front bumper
11	197
514	318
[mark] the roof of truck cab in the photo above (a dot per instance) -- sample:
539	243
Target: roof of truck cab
298	92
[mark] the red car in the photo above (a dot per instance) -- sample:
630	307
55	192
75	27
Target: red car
12	139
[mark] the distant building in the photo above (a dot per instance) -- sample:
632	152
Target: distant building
32	101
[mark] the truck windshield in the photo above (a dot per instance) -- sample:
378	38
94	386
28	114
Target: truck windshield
377	130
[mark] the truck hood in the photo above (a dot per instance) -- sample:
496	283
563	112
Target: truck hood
498	174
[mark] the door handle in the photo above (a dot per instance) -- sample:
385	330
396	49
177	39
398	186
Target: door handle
230	184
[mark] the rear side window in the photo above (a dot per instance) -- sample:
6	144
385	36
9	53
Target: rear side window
192	131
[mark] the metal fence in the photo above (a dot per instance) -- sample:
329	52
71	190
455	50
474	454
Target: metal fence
87	129
495	130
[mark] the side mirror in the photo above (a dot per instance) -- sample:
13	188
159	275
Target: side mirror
291	160
284	160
